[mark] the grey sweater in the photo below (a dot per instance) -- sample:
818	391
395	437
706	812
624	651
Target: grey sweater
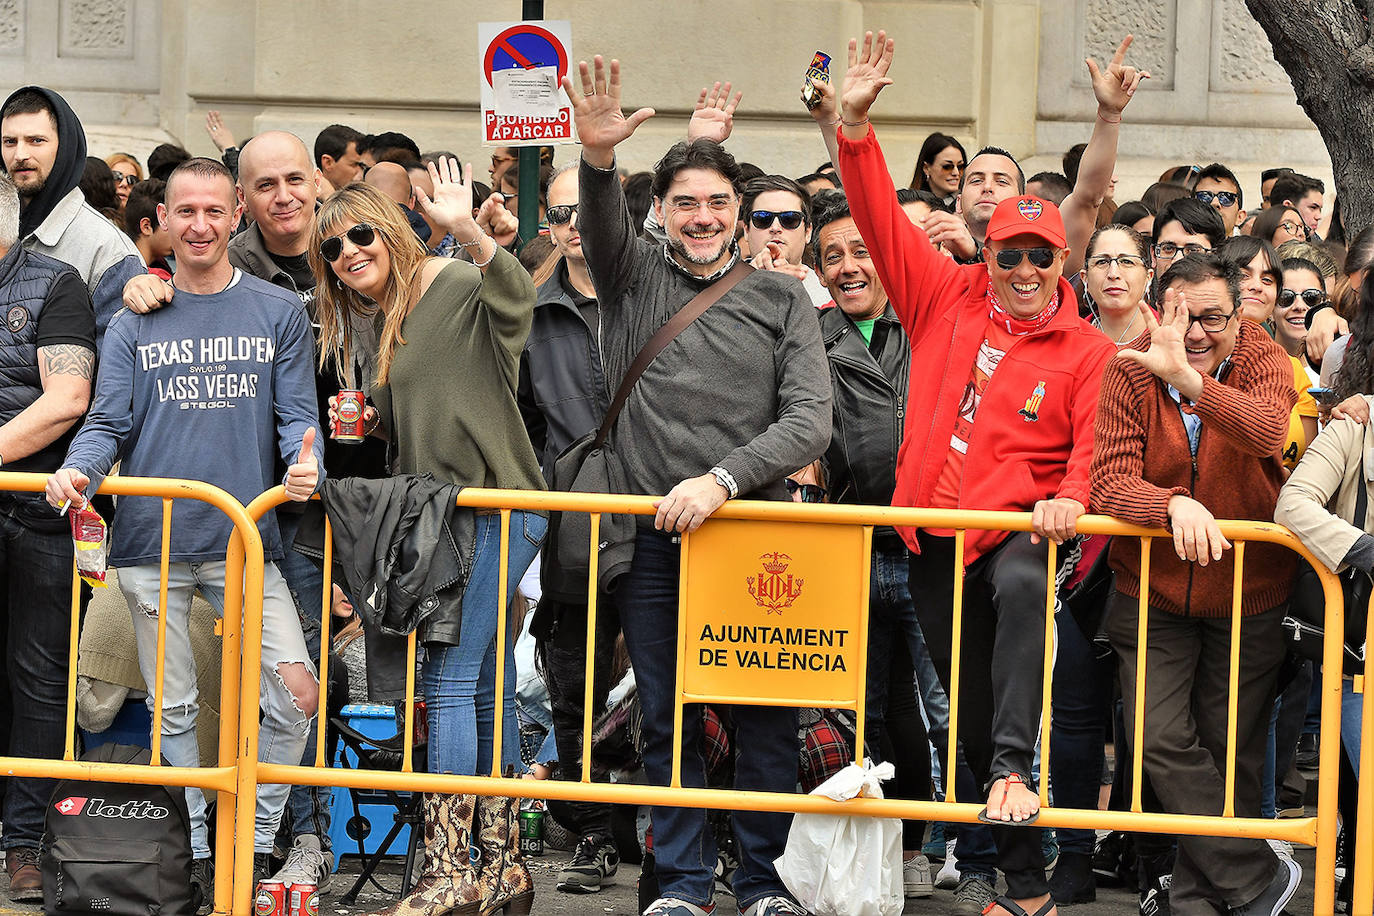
745	386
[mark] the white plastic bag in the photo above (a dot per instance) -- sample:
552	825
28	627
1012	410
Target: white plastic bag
846	865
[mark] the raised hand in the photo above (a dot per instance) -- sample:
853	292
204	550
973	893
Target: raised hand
452	202
828	111
601	124
496	221
1167	357
214	126
1115	87
304	475
714	116
866	76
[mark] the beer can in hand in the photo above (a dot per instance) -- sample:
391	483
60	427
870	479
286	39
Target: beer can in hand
270	899
349	407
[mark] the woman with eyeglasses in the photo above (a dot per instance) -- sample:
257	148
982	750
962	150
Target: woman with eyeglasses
1280	224
451	334
127	172
939	168
1117	280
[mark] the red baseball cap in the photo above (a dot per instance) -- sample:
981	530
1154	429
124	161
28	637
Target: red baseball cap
1027	216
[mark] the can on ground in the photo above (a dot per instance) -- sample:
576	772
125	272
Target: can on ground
532	833
303	900
349	408
270	899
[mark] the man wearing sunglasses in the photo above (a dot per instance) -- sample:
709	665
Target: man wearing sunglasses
776	212
1218	188
1003	385
1204	406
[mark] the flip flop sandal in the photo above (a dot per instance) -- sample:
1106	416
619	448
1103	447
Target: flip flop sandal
983	815
1015	909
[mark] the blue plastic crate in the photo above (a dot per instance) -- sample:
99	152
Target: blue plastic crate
375	814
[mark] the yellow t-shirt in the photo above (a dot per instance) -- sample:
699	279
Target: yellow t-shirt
1306	407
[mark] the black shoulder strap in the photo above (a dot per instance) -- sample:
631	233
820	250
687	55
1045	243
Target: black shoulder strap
664	336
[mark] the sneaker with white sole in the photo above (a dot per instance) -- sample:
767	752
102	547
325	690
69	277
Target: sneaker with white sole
916	877
306	863
672	906
594	861
775	906
947	879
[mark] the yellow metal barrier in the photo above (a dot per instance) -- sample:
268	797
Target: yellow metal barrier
1319	831
243	565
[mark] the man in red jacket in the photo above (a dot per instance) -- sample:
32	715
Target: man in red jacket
1003	388
1191	429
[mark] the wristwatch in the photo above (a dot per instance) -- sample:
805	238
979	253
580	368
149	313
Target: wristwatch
726	480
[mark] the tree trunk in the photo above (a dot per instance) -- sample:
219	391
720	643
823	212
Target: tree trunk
1325	47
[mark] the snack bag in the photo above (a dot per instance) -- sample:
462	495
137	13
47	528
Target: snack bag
819	70
90	536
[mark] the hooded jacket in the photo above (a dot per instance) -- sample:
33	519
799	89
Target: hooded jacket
59	223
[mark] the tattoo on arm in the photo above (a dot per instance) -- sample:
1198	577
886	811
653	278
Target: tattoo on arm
68	359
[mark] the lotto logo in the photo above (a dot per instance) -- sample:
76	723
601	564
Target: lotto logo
72	804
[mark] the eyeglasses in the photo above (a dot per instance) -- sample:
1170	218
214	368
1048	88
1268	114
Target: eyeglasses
362	235
1212	323
715	204
1294	229
1313	297
810	492
121	178
1225	198
1124	261
763	219
1010	258
950	166
1168	250
560	213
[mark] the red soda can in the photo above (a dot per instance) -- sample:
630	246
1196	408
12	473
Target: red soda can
270	899
348	416
303	900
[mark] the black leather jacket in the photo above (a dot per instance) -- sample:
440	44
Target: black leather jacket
870	394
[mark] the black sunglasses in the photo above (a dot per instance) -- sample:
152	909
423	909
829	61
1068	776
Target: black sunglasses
130	180
762	219
331	249
811	492
1010	258
1313	297
1225	198
560	214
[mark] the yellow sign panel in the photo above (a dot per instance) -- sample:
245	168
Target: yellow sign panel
773	613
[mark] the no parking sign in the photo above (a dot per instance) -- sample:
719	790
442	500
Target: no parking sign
522	68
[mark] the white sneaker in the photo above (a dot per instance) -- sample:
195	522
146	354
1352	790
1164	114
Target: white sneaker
947	879
1282	848
306	863
916	880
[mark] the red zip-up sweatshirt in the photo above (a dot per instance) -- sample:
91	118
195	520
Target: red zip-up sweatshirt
1032	437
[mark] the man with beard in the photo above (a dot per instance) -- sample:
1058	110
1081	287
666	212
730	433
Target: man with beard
738	400
44	150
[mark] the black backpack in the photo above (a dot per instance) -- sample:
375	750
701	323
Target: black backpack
116	849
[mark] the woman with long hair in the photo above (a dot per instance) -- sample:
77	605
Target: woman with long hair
447	366
127	173
940	167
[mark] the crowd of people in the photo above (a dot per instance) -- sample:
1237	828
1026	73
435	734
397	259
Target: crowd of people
977	340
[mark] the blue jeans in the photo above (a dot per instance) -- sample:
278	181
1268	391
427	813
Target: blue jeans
283	730
765	744
1080	703
36	571
310	809
460	681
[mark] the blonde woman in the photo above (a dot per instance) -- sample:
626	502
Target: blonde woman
127	173
447	365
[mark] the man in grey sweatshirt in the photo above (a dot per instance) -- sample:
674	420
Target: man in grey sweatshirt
212	387
737	401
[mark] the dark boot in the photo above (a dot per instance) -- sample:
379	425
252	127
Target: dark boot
1073	881
1156	877
447	886
505	883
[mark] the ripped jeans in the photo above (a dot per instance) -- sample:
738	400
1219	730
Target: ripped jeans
282	734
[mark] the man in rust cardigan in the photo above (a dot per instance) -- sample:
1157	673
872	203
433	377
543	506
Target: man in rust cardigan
1190	430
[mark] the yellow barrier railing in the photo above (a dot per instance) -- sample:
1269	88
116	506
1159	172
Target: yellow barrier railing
1319	831
245	566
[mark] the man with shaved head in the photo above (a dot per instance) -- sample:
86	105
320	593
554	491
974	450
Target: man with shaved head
393	180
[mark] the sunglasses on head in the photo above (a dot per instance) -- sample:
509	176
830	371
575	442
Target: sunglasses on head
560	214
361	235
1010	258
1313	297
1225	198
810	492
762	219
